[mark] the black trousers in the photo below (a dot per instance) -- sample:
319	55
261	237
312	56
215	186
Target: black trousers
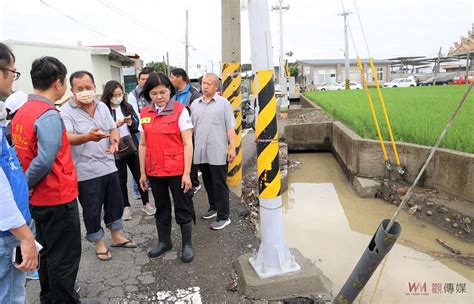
133	164
215	181
183	203
58	230
194	175
96	193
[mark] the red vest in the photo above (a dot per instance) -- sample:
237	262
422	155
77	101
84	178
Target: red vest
164	145
60	185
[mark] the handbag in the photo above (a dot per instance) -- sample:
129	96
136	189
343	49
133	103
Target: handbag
126	148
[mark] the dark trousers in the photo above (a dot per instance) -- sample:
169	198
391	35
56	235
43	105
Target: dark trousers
183	203
215	181
133	164
58	230
95	193
194	175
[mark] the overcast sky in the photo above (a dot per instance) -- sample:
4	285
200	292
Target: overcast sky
312	28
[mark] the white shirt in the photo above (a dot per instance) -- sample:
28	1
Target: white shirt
124	128
184	120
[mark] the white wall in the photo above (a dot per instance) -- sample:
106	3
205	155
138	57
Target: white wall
73	59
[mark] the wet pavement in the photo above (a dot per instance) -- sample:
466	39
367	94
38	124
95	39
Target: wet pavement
326	220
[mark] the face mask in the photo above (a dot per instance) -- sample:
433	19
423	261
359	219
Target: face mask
117	101
85	96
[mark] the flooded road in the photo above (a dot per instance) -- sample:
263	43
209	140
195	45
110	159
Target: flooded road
327	221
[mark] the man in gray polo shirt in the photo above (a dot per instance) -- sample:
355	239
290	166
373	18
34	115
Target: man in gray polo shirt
214	139
94	138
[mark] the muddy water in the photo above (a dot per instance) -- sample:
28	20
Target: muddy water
326	220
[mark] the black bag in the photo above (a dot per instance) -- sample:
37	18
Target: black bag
126	148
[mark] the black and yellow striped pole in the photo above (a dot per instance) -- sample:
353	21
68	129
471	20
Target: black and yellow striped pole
273	257
231	78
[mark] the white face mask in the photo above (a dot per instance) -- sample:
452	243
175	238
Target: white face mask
117	101
85	96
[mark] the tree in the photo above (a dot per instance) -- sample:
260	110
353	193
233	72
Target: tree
293	69
159	66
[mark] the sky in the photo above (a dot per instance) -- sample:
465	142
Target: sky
312	28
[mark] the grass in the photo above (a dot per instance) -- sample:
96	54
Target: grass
417	114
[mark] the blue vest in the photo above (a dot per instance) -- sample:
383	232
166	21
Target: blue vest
14	172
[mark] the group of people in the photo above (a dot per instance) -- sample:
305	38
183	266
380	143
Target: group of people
79	153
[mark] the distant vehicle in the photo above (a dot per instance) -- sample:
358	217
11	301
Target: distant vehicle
330	87
462	79
400	83
443	80
355	86
277	90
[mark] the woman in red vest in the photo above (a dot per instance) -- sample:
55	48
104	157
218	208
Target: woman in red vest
165	153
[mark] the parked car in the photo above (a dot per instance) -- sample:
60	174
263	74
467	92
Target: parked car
400	83
330	87
462	79
443	80
355	86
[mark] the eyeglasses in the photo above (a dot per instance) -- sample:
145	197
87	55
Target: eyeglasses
16	75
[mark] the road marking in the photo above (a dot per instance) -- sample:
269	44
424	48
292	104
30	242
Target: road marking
181	296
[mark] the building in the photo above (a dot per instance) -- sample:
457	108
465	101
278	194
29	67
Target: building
319	71
130	73
104	63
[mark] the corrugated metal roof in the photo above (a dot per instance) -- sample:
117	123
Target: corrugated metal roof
340	61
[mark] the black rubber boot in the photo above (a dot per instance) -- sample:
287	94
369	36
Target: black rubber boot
187	253
164	240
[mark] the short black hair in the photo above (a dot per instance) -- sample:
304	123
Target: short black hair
6	57
45	71
146	71
155	80
80	74
180	72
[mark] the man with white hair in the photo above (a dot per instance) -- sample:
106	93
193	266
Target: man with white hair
214	123
12	104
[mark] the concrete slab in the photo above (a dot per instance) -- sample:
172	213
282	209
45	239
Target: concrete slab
309	282
366	187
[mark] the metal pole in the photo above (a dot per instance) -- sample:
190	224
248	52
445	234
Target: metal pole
231	78
273	257
436	67
186	47
346	55
282	77
168	65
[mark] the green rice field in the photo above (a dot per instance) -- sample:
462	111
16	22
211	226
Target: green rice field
417	114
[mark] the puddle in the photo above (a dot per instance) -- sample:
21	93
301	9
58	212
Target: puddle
330	224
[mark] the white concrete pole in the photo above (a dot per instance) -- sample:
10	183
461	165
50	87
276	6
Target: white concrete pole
273	257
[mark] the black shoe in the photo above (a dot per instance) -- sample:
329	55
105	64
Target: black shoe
164	240
187	253
160	249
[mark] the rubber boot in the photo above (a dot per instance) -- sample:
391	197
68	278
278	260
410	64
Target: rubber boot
187	253
164	240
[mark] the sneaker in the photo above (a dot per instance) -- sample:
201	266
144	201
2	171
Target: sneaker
127	214
32	275
136	193
77	287
217	225
209	214
149	209
197	188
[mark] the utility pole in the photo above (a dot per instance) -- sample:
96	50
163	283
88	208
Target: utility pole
168	65
347	81
186	46
231	79
273	257
436	67
283	81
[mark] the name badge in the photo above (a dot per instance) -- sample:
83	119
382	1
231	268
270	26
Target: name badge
145	120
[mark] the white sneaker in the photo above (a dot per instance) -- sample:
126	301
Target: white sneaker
149	209
127	214
196	189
